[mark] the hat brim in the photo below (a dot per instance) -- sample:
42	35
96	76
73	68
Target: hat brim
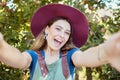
78	21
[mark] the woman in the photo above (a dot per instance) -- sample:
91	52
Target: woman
59	31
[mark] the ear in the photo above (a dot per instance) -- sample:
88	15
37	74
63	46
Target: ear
47	29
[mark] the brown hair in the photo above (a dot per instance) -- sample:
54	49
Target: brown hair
40	42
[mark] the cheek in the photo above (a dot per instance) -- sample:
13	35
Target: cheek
52	31
66	38
51	35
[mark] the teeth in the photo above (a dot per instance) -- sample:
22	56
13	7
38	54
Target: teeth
57	42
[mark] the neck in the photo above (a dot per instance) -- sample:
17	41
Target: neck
51	52
51	55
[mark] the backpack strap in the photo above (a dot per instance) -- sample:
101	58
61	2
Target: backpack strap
42	64
65	64
44	68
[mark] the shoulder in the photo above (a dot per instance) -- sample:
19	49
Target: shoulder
34	57
72	51
69	59
32	53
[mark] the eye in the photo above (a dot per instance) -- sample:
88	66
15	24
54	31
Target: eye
57	28
68	33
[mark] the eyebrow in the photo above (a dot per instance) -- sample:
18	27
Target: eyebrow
62	28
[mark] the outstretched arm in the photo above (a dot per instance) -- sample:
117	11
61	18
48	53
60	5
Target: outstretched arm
92	57
11	56
107	52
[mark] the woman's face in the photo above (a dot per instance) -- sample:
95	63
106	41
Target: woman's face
58	34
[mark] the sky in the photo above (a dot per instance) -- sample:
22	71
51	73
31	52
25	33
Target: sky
112	3
107	11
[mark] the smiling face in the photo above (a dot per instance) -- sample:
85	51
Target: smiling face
58	34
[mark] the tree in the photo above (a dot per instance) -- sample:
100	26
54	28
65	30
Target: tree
15	17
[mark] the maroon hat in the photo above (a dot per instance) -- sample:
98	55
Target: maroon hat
78	21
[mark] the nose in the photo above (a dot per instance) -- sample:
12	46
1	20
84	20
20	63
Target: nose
62	34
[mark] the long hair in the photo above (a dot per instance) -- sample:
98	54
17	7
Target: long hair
41	43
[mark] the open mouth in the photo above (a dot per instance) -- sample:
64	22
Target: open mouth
57	42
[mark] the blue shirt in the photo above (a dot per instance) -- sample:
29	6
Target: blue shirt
35	67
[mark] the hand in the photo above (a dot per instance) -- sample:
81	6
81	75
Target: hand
112	49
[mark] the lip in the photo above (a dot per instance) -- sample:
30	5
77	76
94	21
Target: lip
57	42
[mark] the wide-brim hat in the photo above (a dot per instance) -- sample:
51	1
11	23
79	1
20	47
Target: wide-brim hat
78	21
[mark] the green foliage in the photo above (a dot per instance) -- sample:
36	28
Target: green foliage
15	26
8	73
100	30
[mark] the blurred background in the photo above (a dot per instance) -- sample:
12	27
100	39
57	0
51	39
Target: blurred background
103	17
